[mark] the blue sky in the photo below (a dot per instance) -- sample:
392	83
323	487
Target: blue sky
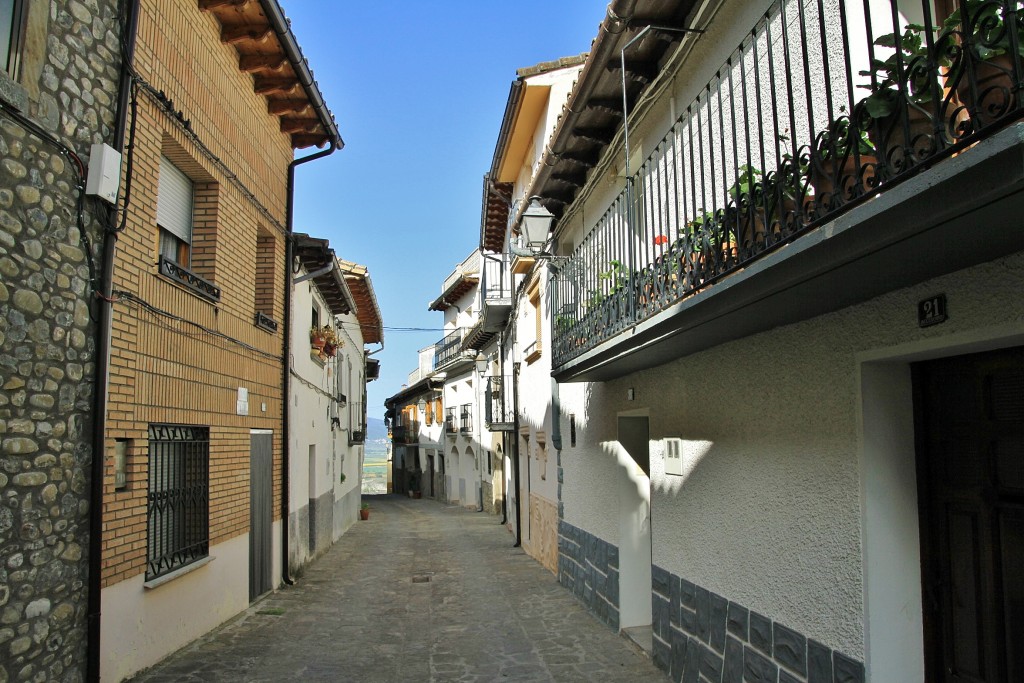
418	90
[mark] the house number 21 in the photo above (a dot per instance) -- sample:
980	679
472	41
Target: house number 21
931	311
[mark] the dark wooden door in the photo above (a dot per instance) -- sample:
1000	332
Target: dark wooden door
970	420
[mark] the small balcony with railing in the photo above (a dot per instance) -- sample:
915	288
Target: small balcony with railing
412	432
466	418
356	423
448	349
842	151
497	291
451	425
499	413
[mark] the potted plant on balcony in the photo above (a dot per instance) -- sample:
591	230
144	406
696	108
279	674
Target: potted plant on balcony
842	163
902	103
982	74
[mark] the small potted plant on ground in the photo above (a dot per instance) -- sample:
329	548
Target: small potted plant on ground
364	511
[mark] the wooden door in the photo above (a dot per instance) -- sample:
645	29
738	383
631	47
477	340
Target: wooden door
970	422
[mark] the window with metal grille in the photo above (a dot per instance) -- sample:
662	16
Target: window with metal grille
178	519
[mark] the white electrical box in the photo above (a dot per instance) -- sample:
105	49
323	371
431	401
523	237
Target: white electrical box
104	172
674	456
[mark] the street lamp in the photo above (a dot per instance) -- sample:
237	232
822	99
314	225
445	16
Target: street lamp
536	225
422	405
481	363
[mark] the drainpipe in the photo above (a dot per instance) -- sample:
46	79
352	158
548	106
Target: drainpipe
515	454
287	350
275	16
95	568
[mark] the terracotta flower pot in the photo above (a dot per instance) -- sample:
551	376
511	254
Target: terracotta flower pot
364	514
993	94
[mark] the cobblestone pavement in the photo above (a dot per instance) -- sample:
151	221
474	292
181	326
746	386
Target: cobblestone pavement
489	612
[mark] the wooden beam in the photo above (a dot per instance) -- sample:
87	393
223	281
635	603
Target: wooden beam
206	5
265	85
588	160
638	70
577	180
303	140
608	105
236	34
602	136
250	63
287	106
295	125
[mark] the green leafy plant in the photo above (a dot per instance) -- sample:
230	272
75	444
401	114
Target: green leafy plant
364	506
341	479
908	64
987	28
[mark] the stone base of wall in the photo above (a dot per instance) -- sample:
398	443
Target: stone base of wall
589	567
543	543
699	635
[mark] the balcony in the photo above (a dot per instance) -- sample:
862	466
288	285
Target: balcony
450	425
466	418
497	291
831	159
412	432
448	349
499	414
357	423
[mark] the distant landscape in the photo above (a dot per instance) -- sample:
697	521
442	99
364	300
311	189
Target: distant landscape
375	471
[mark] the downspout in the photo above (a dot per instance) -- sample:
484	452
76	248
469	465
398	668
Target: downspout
286	383
515	454
501	373
95	568
278	21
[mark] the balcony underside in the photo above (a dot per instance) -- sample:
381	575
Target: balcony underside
495	314
961	212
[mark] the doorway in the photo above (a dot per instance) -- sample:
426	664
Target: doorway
969	420
635	525
261	498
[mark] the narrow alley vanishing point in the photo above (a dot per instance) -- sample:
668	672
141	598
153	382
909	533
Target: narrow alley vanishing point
419	592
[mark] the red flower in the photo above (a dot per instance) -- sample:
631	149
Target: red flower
661	239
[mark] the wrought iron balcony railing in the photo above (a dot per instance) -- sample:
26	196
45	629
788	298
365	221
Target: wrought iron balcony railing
466	418
497	279
499	411
412	432
450	425
822	106
447	349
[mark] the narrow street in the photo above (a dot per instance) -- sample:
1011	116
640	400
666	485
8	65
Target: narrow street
478	610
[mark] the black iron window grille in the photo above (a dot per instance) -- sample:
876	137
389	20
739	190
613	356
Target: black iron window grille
466	418
177	516
821	106
449	421
188	279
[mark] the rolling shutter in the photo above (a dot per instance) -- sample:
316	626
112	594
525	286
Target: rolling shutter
174	201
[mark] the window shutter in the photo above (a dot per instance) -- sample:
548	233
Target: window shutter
174	201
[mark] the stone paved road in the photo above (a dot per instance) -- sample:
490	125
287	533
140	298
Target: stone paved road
488	613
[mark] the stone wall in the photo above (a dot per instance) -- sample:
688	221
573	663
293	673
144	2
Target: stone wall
67	86
589	567
700	634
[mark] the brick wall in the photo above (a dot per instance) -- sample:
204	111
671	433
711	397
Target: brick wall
180	358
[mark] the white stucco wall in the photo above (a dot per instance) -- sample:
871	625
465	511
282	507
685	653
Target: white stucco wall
771	513
142	625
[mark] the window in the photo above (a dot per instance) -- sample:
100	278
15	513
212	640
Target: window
429	418
532	349
12	25
177	515
266	250
174	213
